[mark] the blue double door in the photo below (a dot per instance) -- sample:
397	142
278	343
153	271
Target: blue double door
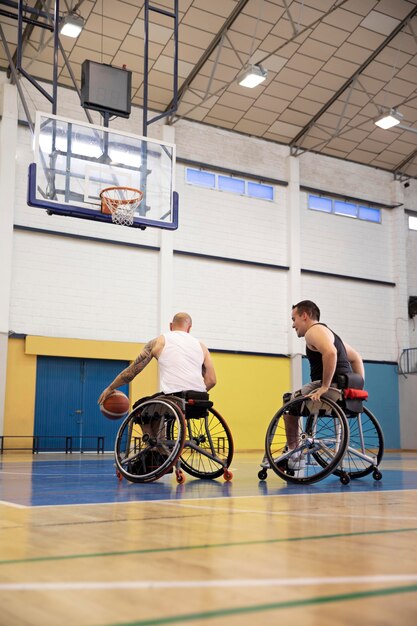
66	409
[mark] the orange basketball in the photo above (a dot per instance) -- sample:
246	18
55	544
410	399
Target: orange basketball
115	406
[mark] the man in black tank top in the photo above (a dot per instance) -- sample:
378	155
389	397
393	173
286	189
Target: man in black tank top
328	356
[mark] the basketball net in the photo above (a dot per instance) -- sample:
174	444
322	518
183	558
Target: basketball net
121	203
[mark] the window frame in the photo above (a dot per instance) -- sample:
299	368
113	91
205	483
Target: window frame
245	184
337	205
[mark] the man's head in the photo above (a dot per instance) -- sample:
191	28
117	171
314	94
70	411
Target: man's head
304	314
181	321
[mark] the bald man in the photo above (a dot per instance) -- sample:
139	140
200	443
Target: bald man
184	362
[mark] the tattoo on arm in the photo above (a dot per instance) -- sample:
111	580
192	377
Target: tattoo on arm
139	364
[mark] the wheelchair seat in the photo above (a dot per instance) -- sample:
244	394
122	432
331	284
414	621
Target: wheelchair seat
166	431
195	403
353	393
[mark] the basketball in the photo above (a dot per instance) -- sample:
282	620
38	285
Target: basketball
115	406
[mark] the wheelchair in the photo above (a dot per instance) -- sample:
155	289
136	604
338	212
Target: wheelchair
342	438
173	433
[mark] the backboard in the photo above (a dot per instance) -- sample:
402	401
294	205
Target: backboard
74	161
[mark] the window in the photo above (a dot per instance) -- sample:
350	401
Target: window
231	184
227	183
412	222
369	214
258	190
320	204
199	177
341	207
345	208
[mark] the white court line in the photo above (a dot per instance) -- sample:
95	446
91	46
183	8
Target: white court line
287	513
203	584
227	498
13	505
214	498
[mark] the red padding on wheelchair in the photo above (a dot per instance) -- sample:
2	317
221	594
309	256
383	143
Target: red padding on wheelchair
357	394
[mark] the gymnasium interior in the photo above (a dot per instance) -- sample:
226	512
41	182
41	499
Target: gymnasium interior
301	185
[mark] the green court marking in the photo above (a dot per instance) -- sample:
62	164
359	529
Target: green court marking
205	546
259	608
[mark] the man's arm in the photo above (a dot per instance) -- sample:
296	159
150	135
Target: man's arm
209	374
150	351
321	339
355	360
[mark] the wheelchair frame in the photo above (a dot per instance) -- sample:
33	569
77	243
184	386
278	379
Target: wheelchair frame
330	442
167	433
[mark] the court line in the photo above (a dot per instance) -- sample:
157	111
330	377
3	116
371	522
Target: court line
235	544
118	503
285	513
270	607
13	504
206	584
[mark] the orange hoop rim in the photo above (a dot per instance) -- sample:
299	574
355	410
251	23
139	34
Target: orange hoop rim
122	200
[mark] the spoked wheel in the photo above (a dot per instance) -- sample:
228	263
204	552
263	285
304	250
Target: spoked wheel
144	451
366	446
323	436
208	450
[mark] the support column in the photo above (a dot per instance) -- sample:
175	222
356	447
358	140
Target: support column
166	261
406	384
295	347
8	150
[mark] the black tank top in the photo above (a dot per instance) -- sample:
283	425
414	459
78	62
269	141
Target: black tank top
316	363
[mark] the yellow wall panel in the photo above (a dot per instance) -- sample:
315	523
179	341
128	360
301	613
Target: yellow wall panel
20	391
248	393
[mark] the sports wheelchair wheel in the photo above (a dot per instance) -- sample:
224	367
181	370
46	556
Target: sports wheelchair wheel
150	440
208	449
366	446
323	439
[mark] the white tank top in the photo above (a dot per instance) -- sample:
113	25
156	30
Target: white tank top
180	363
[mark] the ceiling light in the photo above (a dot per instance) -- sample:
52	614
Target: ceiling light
252	76
388	120
71	25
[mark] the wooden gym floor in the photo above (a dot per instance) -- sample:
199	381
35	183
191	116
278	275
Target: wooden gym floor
78	547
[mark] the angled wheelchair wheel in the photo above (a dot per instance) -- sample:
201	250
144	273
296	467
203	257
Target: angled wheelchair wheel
366	446
322	441
150	440
208	449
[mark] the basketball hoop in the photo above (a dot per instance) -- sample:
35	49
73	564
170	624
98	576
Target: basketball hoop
121	203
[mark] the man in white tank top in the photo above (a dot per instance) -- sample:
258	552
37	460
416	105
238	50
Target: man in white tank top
184	362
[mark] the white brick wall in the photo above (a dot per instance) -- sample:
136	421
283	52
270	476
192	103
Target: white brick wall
359	312
234	307
221	147
230	225
66	286
412	280
343	245
346	178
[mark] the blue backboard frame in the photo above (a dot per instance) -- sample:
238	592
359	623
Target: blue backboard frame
67	175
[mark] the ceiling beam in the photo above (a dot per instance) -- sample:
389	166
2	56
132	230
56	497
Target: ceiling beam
400	167
296	141
207	53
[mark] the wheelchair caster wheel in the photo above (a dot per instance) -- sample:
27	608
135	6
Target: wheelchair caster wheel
119	476
262	474
345	479
180	477
376	475
227	475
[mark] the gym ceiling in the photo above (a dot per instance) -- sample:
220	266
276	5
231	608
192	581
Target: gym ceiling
333	67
